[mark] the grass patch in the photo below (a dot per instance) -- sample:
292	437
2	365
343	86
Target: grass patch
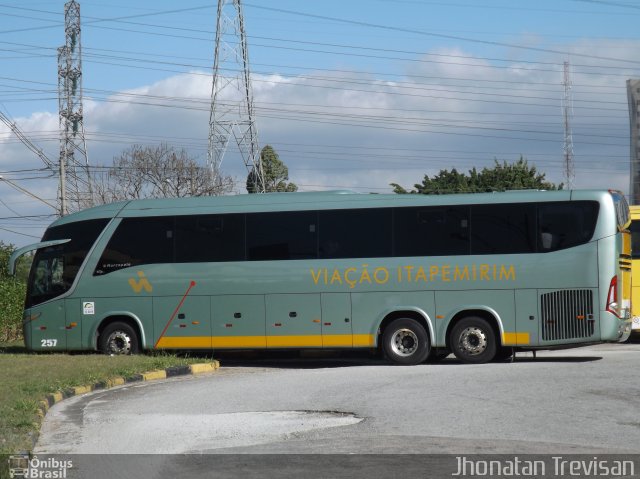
26	378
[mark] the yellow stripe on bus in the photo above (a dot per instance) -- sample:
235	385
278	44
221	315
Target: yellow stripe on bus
231	342
348	341
184	342
515	339
364	340
313	341
238	342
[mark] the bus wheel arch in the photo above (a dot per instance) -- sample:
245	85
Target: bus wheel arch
404	337
474	336
119	335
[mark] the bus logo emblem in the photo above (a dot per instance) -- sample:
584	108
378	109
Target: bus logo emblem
140	284
18	465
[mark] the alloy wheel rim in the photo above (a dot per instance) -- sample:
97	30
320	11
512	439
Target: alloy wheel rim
119	343
473	341
404	342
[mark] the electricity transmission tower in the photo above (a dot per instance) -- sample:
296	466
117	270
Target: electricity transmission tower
567	112
231	114
75	180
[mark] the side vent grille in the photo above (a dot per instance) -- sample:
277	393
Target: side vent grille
567	314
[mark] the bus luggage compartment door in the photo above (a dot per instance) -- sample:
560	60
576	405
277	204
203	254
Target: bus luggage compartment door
182	322
336	320
238	321
293	321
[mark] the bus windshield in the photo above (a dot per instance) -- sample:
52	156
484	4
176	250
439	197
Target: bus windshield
55	267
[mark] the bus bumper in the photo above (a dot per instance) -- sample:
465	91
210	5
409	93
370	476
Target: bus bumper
614	328
635	324
625	330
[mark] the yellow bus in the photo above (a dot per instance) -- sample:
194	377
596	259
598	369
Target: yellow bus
635	268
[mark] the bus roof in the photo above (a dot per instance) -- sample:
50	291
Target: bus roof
313	200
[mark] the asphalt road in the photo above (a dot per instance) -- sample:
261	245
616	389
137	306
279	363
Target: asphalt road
579	401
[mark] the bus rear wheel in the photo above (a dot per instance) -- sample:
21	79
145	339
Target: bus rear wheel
118	339
473	340
405	341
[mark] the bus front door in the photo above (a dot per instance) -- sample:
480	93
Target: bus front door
75	317
47	323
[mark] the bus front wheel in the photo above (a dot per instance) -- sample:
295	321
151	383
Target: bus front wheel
473	340
118	339
405	341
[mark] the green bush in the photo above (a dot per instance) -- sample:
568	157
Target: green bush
12	293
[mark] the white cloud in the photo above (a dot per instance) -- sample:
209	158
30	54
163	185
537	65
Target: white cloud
363	132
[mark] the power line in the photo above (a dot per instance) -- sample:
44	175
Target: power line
611	4
26	216
432	34
19	233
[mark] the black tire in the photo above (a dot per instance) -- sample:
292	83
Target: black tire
473	340
405	341
118	339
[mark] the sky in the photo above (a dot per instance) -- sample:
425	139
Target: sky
352	94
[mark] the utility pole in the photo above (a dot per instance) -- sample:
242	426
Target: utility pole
567	112
75	181
231	112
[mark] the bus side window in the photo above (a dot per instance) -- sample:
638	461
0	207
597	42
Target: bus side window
503	229
287	235
209	238
358	233
434	231
563	225
138	241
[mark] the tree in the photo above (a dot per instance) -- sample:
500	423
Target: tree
12	293
276	174
157	172
503	176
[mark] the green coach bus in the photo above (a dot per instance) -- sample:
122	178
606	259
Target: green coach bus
416	276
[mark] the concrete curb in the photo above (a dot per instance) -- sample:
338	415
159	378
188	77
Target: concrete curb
56	397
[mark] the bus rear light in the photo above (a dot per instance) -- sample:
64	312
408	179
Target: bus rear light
612	296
